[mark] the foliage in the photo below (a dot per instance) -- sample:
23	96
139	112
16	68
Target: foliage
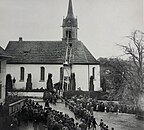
116	79
23	90
11	99
135	50
49	83
91	84
29	83
72	82
93	94
124	79
8	83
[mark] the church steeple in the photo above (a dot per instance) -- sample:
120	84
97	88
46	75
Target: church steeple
70	25
70	10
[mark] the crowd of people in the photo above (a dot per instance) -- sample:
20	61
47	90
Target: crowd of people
114	107
102	106
82	107
45	118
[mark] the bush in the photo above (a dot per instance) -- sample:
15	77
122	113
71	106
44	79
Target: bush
11	99
23	90
93	94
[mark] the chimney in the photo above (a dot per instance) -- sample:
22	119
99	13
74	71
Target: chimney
20	39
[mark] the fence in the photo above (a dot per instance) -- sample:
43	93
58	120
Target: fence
15	107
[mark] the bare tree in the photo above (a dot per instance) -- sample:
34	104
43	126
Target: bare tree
135	50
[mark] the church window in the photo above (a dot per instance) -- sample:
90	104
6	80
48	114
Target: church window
68	34
42	74
22	73
93	72
61	73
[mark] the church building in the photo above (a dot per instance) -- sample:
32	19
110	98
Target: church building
3	58
59	58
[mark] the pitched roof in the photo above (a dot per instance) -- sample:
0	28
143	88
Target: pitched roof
47	52
3	53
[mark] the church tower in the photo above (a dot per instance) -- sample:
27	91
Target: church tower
70	25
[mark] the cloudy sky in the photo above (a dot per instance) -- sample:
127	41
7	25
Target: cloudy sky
102	23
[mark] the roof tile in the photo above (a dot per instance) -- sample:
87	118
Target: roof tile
48	52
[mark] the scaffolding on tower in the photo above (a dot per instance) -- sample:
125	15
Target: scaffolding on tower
67	65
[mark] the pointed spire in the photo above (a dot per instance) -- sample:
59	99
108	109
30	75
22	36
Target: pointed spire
70	10
70	24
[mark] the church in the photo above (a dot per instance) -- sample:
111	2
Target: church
3	59
59	58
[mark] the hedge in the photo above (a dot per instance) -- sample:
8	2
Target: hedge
22	90
93	94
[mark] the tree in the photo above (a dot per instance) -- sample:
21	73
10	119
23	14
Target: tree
91	84
72	82
49	83
29	83
135	50
103	84
8	83
113	76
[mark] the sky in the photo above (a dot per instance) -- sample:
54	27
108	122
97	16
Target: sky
102	23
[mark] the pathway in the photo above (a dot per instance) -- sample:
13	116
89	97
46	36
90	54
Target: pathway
121	121
59	107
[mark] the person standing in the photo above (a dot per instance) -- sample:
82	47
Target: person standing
94	123
35	125
91	110
14	124
14	80
83	125
47	103
77	127
89	123
101	124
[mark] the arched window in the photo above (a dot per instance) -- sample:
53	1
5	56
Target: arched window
68	34
93	72
61	74
42	74
22	71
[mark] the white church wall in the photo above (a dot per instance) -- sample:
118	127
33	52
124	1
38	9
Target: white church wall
81	75
2	80
14	70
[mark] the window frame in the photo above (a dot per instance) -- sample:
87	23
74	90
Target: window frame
22	74
61	73
68	34
42	74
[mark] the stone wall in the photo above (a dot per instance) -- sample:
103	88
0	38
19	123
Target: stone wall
28	94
